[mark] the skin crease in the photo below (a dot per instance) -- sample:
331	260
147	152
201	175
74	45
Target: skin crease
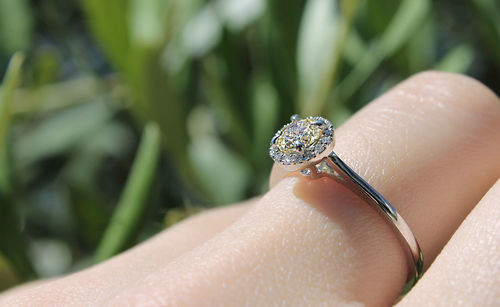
430	146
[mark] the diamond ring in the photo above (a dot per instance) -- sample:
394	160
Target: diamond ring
306	145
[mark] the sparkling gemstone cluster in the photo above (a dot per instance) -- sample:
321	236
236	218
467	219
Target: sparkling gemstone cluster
301	140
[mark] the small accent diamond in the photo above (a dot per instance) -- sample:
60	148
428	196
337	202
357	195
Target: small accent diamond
306	171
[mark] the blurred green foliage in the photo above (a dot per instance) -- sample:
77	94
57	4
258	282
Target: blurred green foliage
128	115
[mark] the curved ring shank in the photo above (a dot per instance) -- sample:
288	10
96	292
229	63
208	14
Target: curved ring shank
359	186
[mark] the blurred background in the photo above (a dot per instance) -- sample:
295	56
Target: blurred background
119	118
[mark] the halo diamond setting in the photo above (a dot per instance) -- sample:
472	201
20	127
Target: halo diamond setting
301	140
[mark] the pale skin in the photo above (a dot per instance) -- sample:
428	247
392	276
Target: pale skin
431	146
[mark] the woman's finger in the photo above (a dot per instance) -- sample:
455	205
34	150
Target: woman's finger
99	282
467	272
430	146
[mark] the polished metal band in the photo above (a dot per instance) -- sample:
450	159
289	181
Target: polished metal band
360	187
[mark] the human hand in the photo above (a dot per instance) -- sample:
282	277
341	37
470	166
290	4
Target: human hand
430	146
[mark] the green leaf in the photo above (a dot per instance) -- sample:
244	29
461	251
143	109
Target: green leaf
316	42
183	22
229	114
409	17
355	48
108	22
11	82
60	95
238	14
202	33
222	173
60	132
421	49
111	141
457	60
147	23
11	243
50	257
140	60
322	37
15	25
488	17
8	276
133	200
265	119
279	31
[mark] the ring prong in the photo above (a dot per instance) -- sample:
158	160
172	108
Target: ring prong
295	117
275	137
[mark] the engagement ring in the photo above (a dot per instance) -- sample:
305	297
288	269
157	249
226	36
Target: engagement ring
306	145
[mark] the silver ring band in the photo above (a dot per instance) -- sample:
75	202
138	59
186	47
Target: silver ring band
361	188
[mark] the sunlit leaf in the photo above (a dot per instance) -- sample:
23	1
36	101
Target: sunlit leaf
355	48
202	32
113	142
50	257
148	23
10	83
16	25
155	97
108	22
182	13
410	15
11	242
318	31
62	94
133	200
457	60
321	41
407	20
222	174
59	134
237	14
265	118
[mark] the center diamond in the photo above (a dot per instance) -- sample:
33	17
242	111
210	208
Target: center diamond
299	135
301	140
